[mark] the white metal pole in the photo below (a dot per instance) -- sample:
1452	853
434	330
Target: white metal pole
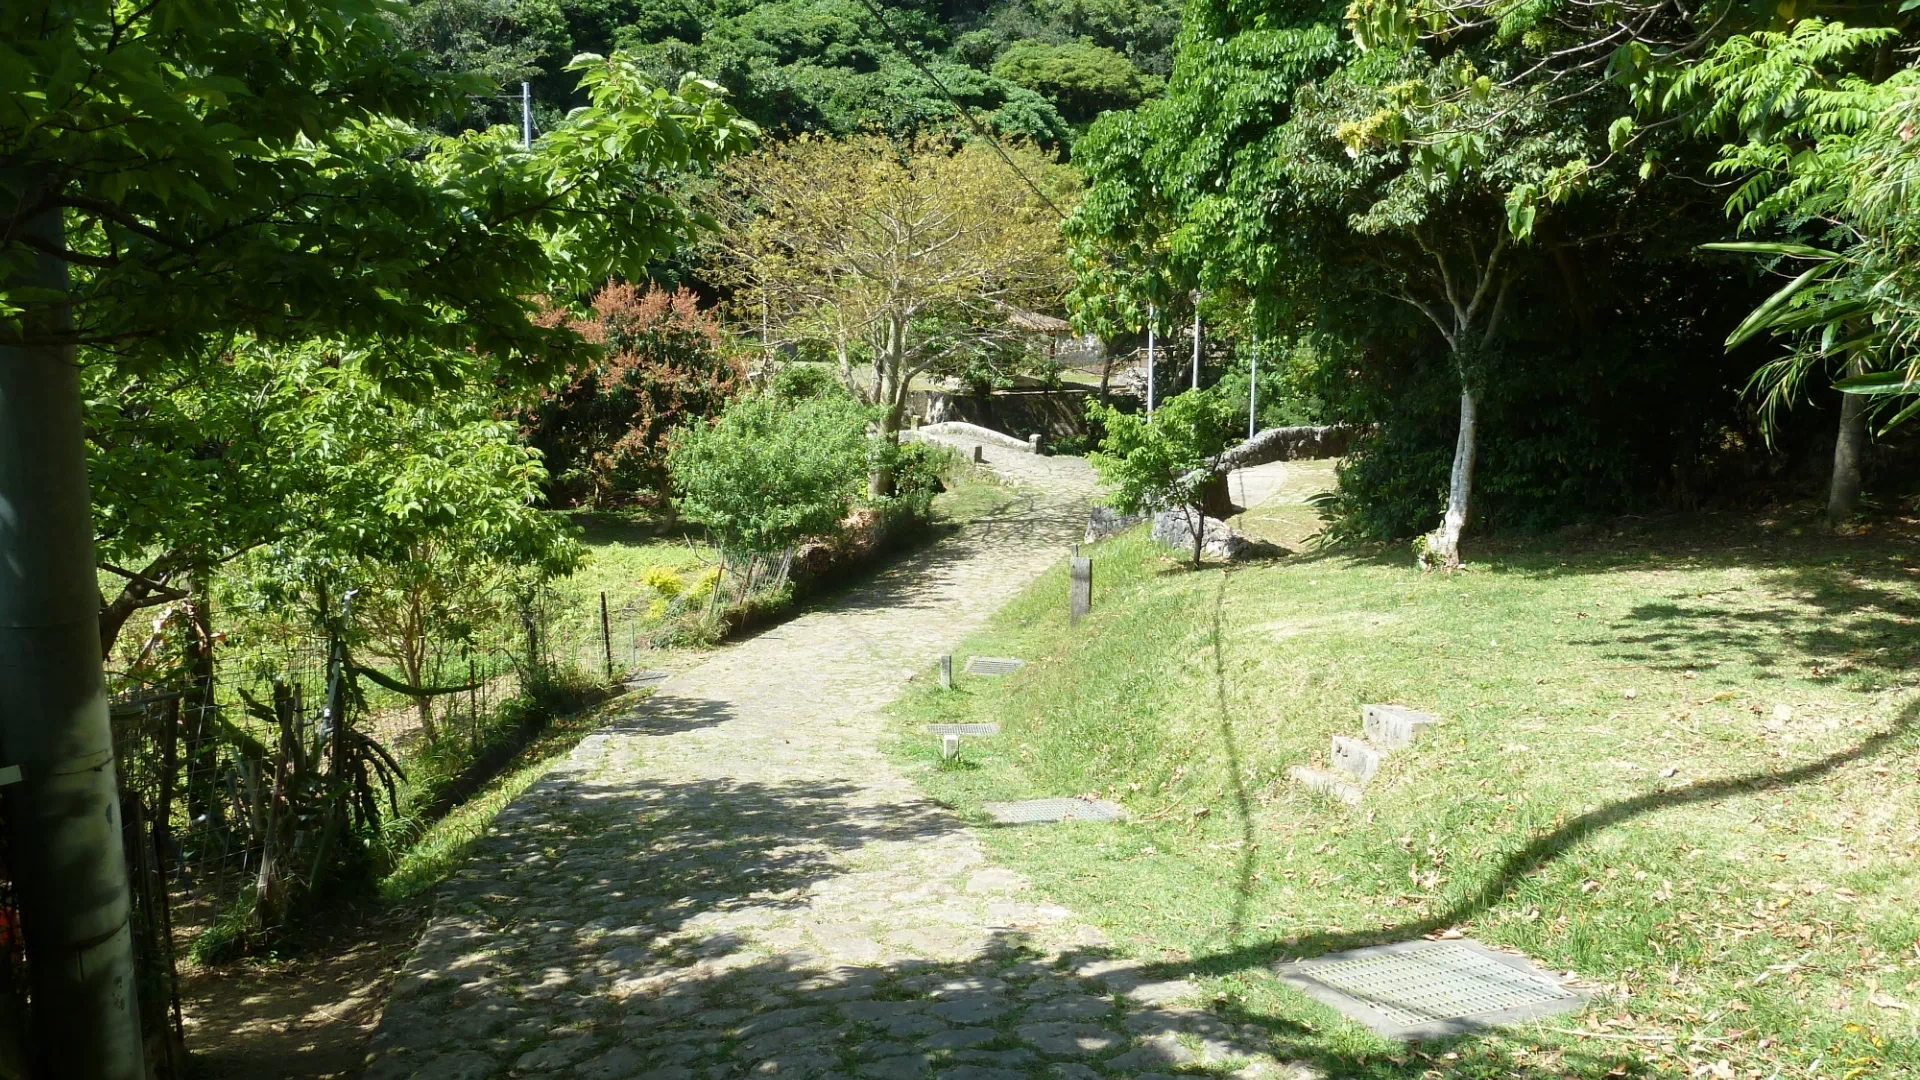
1152	317
526	115
1196	342
1253	389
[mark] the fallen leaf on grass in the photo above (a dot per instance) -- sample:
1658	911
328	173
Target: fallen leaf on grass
1886	1002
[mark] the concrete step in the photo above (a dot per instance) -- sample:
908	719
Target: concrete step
1394	727
1325	783
1355	758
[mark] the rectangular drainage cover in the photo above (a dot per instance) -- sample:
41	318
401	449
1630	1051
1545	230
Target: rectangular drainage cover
963	729
647	678
993	665
1431	989
1034	811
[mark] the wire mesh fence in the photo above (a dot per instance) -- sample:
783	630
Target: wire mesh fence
253	779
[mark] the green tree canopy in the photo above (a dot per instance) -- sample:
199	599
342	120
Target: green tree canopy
1080	78
176	175
830	66
1423	210
911	257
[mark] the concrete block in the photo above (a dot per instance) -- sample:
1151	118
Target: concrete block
1325	783
1355	758
1394	727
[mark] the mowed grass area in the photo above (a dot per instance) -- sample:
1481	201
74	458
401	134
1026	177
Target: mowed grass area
622	546
1681	764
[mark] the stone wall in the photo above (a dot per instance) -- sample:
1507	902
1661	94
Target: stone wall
1053	413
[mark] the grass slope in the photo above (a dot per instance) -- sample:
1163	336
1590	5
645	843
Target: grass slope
1681	766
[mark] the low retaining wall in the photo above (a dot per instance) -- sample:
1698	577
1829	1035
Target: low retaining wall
1054	413
960	429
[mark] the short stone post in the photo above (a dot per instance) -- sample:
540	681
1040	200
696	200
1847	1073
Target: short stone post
1033	443
1079	590
946	671
949	747
979	454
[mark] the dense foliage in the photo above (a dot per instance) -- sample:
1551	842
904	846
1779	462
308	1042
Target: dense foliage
603	432
772	471
1030	68
1431	214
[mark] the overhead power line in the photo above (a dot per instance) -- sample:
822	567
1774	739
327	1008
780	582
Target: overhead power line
900	43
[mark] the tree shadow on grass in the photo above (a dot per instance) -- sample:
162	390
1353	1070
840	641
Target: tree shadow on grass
1837	629
1468	1054
1545	848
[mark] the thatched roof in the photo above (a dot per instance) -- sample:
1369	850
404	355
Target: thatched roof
1034	322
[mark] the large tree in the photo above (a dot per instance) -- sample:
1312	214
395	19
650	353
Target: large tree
901	255
175	173
1424	209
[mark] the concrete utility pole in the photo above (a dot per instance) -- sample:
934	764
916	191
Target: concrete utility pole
1152	317
526	115
1253	389
56	750
1196	339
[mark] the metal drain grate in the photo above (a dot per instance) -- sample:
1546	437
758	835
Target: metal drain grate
1034	811
963	729
993	665
647	678
1426	989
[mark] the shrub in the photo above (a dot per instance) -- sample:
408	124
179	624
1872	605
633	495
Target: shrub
920	471
1148	462
800	382
604	431
770	473
662	580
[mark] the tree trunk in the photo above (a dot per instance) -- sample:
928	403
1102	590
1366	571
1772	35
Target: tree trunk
880	480
198	708
1197	521
68	861
1849	451
1443	544
894	395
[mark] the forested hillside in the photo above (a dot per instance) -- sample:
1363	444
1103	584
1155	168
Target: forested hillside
1034	68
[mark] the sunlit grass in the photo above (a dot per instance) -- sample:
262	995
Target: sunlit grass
1680	764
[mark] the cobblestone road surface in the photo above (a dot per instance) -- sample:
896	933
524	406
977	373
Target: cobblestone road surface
733	882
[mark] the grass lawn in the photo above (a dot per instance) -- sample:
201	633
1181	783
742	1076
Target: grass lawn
620	548
1680	763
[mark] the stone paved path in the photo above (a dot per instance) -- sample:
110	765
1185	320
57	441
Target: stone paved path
733	882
